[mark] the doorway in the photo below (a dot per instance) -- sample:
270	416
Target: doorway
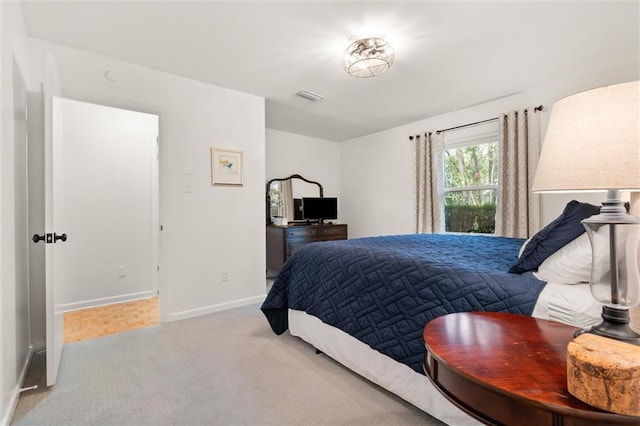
106	200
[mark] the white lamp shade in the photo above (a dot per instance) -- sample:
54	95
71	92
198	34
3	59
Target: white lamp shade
592	142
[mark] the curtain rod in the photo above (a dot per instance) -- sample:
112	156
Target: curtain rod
538	108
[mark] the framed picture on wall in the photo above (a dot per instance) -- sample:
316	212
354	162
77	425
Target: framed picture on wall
226	166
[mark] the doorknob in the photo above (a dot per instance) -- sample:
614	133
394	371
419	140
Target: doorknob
50	238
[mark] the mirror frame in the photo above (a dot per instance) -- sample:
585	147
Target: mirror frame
294	176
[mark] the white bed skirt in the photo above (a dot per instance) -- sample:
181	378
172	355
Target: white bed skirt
570	304
376	367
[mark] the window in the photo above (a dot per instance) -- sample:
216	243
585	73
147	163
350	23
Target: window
471	184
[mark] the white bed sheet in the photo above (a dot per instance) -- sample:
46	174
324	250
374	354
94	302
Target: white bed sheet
570	304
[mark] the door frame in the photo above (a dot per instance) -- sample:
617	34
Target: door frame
156	227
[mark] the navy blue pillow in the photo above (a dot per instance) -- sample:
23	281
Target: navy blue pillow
564	229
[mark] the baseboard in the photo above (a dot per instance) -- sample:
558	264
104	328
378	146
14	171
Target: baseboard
215	308
15	395
94	303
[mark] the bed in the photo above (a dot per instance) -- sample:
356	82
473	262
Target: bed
365	301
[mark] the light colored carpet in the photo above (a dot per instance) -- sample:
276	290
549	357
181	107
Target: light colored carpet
226	368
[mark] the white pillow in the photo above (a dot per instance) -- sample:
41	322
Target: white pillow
569	265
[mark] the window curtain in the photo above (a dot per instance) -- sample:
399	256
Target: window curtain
518	210
429	183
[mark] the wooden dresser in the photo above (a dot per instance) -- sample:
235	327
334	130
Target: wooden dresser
283	241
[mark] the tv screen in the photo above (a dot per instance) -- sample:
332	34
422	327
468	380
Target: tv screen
319	208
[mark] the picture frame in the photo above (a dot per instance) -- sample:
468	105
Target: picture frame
226	166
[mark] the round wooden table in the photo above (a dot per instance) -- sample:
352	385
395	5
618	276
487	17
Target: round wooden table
506	369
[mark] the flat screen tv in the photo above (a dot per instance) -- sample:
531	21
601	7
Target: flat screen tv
319	208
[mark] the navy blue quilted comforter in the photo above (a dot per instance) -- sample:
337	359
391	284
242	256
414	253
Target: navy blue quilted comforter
383	290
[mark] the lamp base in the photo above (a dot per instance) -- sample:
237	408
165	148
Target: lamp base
614	325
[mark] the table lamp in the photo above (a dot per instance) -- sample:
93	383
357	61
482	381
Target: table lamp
592	143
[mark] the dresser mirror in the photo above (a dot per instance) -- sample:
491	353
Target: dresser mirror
284	196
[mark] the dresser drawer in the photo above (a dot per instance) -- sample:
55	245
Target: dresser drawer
336	232
294	232
284	241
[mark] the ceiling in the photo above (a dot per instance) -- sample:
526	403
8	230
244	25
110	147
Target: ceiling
449	55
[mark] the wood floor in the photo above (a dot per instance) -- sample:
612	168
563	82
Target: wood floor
104	320
110	319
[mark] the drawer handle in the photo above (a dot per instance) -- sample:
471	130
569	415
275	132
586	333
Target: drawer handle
302	234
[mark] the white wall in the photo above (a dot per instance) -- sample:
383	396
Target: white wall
315	159
14	288
104	185
205	231
211	228
377	186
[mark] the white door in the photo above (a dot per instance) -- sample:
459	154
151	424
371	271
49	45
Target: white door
101	214
53	240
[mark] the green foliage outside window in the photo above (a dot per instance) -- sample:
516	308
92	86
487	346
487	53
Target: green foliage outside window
468	209
466	218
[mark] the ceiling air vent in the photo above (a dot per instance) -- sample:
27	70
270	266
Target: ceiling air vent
310	95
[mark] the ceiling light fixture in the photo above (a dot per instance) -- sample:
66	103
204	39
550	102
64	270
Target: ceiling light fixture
368	57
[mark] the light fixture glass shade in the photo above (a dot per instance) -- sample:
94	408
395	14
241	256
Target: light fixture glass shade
368	57
615	274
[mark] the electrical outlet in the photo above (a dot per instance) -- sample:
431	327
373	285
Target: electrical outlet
122	271
225	275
